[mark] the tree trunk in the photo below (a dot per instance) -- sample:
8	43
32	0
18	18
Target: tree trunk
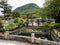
32	22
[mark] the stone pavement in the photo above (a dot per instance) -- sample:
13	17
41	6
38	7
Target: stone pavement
10	42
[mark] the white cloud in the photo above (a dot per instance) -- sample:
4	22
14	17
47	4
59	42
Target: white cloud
18	3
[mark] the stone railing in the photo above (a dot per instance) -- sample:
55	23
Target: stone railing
19	38
31	39
45	42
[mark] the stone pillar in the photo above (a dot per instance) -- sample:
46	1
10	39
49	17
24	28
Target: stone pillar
32	37
6	35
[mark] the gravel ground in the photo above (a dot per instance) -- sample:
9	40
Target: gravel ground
8	42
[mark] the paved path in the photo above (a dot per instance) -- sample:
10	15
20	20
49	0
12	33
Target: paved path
8	42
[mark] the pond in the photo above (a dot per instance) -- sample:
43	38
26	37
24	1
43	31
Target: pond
48	37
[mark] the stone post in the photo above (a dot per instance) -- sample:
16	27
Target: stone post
32	37
6	35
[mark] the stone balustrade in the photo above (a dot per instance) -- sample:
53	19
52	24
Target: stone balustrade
35	40
31	39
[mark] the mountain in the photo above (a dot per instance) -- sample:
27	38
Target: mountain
27	9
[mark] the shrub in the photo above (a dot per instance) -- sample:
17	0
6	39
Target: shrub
55	26
10	26
1	24
2	30
58	29
51	26
19	21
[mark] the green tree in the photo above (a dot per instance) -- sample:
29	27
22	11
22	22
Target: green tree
43	13
38	22
31	17
52	6
10	26
27	21
6	8
15	14
20	21
1	24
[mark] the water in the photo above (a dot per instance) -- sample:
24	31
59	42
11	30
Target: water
48	37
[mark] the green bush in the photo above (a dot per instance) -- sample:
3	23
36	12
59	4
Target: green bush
2	30
1	24
58	29
55	26
19	21
51	26
10	26
58	25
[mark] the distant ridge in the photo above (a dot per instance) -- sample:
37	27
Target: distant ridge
28	8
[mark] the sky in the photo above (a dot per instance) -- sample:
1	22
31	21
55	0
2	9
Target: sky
19	3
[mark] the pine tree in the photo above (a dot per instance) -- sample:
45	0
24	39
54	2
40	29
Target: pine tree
6	7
